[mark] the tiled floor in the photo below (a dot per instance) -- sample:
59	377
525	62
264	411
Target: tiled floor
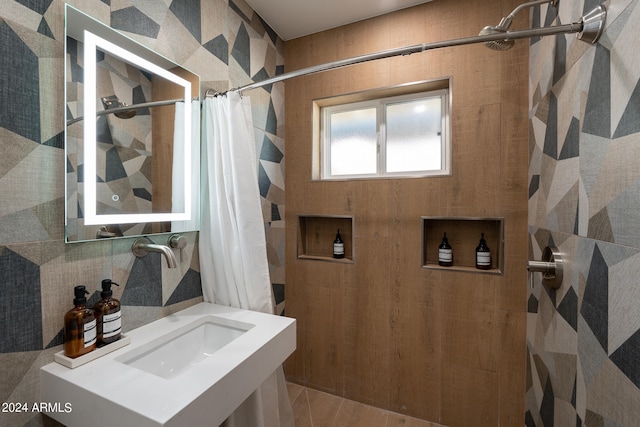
314	408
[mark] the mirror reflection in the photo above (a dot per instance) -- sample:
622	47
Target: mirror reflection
133	126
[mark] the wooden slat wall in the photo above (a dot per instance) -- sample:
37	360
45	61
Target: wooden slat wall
444	346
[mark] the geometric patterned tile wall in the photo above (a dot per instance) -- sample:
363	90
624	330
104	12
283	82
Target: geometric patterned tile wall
227	45
584	194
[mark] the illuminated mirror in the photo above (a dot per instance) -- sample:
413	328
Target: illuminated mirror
132	138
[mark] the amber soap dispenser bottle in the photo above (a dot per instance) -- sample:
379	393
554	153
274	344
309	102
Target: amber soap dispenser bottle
483	255
79	326
338	246
108	314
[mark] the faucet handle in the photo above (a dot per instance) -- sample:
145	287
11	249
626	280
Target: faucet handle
177	241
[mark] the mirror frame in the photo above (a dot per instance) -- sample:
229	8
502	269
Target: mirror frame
94	34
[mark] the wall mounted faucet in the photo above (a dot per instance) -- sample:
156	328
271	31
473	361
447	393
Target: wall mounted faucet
143	245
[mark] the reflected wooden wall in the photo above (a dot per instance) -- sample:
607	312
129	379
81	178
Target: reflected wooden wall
162	122
444	346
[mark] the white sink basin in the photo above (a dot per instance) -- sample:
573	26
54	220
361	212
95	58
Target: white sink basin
173	353
193	368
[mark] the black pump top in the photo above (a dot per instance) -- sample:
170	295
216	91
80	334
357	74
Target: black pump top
482	247
80	291
106	288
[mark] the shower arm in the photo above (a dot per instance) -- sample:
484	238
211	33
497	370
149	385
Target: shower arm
589	29
506	21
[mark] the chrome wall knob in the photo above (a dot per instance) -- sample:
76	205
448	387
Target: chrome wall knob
551	266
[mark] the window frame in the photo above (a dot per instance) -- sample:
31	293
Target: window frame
379	99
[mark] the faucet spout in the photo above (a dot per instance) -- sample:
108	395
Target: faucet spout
142	246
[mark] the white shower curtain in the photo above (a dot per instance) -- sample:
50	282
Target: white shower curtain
233	255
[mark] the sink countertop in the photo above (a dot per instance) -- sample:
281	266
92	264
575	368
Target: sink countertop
118	394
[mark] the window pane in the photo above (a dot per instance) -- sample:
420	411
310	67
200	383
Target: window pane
353	142
414	135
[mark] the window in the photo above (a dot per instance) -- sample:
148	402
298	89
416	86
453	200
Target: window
381	137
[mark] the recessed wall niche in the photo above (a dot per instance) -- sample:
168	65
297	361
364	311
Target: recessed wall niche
464	235
316	234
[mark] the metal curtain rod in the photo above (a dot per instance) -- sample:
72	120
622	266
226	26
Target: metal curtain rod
590	27
402	51
408	50
131	107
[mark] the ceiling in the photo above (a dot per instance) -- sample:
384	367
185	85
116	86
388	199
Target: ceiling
296	18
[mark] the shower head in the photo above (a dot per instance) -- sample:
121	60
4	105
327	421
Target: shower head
505	23
111	102
496	44
588	29
125	114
